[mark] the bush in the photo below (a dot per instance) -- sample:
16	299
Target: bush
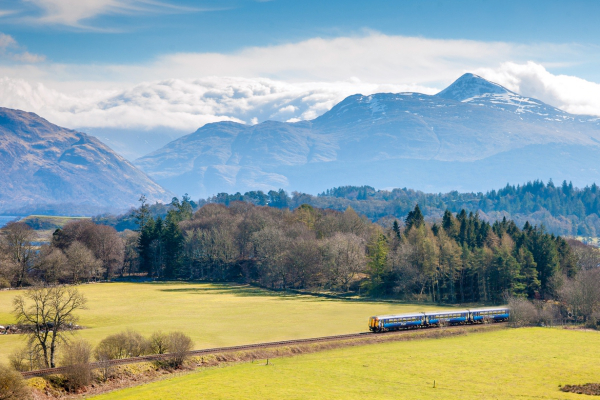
178	346
12	385
27	359
522	312
158	343
547	313
77	357
122	345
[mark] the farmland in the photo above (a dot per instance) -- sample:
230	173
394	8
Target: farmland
505	364
45	225
213	315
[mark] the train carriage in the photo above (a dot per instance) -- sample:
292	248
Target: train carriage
483	315
395	322
384	323
447	317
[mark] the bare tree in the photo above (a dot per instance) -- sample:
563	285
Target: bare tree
81	262
588	257
102	240
582	293
50	311
72	232
346	258
107	246
16	243
51	264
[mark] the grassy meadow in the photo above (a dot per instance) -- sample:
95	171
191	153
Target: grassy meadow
507	364
45	225
212	314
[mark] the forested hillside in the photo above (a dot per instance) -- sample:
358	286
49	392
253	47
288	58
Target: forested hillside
462	259
562	209
459	259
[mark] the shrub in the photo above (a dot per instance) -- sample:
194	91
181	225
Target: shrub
178	346
12	384
27	359
122	345
547	313
158	343
77	357
522	312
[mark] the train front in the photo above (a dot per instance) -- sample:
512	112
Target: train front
374	324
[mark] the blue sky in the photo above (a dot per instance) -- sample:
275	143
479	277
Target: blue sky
141	31
170	66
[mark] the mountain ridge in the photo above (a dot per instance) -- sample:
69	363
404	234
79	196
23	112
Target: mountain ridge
472	123
45	165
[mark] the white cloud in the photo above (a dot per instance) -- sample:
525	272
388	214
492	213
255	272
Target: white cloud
6	41
73	12
182	104
288	82
569	93
10	49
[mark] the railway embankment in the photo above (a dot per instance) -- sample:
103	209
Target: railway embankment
128	372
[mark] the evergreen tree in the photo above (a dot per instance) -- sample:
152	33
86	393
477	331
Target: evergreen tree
414	218
396	229
172	240
378	251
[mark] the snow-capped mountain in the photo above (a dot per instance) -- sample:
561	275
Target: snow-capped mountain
473	135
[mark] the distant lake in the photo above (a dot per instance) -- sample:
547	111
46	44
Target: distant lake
5	219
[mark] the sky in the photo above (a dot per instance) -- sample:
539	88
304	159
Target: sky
153	70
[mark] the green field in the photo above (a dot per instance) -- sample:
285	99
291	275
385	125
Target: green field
45	225
213	315
507	364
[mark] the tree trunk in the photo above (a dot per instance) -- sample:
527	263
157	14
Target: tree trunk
53	350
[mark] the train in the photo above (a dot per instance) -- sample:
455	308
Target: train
384	323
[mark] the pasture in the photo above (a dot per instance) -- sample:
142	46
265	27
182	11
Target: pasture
507	364
45	225
213	315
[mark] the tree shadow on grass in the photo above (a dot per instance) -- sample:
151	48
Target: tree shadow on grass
238	290
242	290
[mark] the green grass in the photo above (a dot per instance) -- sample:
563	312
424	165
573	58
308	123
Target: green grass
45	225
213	315
508	364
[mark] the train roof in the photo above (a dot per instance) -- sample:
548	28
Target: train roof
420	314
446	312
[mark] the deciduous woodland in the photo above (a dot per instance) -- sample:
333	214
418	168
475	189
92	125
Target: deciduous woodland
457	259
562	209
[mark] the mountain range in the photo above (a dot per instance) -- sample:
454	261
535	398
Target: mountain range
472	136
46	168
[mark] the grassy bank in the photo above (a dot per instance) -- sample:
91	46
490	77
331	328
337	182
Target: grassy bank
213	315
506	364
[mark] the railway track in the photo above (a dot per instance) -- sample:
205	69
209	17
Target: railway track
219	350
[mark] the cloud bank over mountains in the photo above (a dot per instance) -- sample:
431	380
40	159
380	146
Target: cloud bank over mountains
287	82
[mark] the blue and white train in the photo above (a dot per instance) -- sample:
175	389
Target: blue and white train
384	323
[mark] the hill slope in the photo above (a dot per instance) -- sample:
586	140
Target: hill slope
471	136
44	166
